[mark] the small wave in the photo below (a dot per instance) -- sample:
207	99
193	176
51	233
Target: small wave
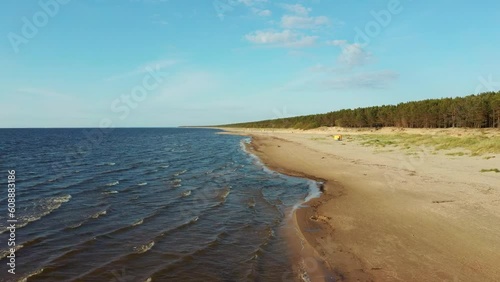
186	194
303	275
106	164
4	253
76	225
164	166
144	248
254	158
40	209
54	179
139	222
182	225
180	172
110	192
142	184
314	190
98	214
113	183
34	241
176	183
223	195
251	203
36	272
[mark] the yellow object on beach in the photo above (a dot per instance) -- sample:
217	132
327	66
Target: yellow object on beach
337	137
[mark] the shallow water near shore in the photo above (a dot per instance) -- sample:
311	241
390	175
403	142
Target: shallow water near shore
145	205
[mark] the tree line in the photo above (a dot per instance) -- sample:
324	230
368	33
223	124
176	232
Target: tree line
475	111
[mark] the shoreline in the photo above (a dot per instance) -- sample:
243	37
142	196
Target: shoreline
307	264
310	226
386	215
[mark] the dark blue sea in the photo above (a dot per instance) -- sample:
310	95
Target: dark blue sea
156	204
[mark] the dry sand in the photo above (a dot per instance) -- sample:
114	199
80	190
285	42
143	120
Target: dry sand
389	216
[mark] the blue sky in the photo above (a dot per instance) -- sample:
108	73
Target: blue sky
75	63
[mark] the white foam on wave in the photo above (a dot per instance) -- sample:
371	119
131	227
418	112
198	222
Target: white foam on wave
142	184
76	225
54	179
38	210
314	191
180	172
110	192
176	183
187	193
113	183
36	272
139	222
251	203
98	214
107	164
144	248
254	158
225	193
4	253
303	275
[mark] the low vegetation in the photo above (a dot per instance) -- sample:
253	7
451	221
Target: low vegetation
475	144
459	154
491	170
318	138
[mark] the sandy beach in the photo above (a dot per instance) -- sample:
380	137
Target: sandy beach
388	213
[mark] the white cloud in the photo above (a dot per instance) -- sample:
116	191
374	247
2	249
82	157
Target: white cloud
263	13
301	22
336	42
297	9
285	38
352	55
251	2
256	7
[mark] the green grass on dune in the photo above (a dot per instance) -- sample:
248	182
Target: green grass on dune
491	170
476	145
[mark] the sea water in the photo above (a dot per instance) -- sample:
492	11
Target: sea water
158	204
